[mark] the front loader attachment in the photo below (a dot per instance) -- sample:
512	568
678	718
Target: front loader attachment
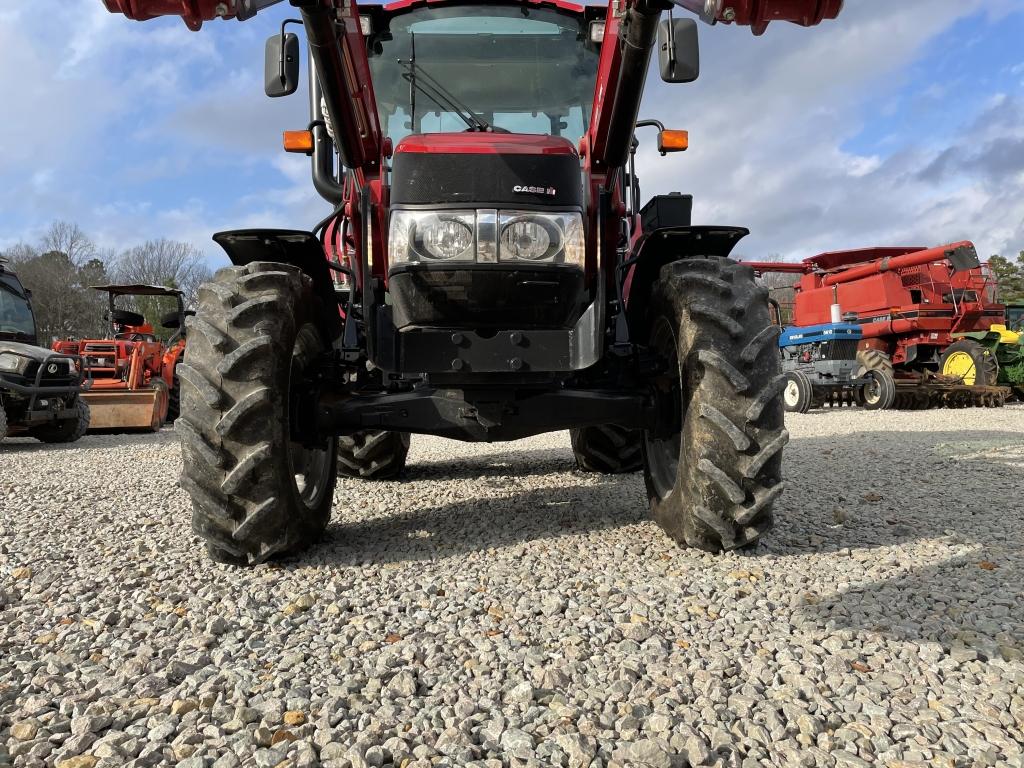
127	409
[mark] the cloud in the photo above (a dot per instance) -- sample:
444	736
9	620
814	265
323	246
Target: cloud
771	118
147	130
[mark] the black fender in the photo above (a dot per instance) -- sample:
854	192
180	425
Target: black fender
286	246
653	250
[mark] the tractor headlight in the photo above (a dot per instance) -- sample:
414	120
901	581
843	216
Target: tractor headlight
443	237
12	363
550	238
417	237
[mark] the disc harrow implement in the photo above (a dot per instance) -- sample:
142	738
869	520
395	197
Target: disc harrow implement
936	391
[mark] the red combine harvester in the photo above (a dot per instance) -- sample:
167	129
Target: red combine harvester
909	303
133	384
503	278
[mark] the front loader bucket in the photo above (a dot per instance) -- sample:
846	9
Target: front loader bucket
126	409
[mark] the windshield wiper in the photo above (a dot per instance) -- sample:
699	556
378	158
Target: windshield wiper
425	83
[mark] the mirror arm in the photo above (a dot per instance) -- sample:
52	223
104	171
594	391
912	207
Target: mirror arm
284	50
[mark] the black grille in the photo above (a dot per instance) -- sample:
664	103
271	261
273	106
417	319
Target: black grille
844	349
60	378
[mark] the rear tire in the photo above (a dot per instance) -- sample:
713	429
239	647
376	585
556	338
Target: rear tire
255	493
971	362
712	482
874	360
879	394
66	431
799	392
607	449
3	422
373	455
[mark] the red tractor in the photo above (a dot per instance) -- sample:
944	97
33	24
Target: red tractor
133	381
913	306
501	277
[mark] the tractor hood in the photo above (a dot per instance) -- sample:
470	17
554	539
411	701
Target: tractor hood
486	170
30	351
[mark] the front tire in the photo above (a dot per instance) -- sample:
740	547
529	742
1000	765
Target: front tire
255	493
373	454
879	394
607	449
66	431
713	478
799	392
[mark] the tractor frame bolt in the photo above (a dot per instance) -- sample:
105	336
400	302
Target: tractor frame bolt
457	364
515	364
458	338
516	337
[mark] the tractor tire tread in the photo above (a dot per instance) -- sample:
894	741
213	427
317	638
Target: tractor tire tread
607	449
243	500
373	454
730	467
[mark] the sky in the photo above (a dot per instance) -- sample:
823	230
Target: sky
899	123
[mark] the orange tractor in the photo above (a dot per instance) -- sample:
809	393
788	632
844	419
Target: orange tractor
133	372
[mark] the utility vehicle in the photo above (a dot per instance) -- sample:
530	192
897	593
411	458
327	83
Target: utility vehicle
487	272
40	390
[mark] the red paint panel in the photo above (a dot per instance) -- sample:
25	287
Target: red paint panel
480	143
401	5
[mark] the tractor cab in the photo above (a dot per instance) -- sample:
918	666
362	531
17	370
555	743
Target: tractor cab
1015	317
17	322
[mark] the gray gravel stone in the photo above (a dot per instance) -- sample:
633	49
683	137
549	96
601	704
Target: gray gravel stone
497	605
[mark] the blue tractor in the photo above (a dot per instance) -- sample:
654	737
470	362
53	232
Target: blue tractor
821	367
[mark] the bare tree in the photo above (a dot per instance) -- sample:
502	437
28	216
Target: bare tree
169	263
64	305
781	286
69	239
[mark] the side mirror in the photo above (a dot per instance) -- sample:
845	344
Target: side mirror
282	65
171	321
679	50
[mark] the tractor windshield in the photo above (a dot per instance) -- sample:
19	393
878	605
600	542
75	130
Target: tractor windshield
518	69
16	319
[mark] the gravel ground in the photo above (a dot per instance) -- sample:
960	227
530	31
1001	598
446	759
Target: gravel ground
498	608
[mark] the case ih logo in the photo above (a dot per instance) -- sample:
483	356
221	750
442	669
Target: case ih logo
550	191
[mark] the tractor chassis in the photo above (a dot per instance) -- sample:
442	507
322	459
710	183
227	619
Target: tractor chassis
491	414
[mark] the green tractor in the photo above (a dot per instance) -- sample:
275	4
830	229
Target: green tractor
997	355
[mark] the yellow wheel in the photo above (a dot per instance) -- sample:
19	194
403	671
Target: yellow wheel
961	365
970	363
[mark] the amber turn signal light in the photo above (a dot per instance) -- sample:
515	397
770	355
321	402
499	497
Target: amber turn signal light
673	141
298	141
